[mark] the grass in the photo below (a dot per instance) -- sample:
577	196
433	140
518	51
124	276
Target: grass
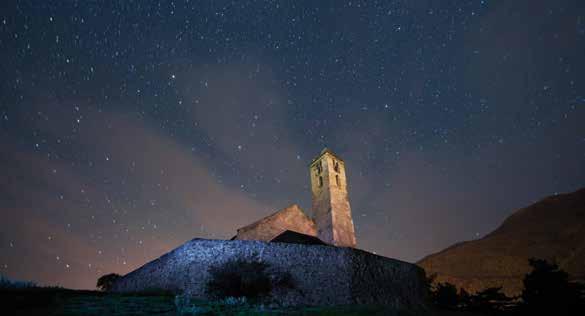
59	301
240	306
56	301
6	283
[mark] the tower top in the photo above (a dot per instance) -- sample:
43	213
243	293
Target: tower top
323	152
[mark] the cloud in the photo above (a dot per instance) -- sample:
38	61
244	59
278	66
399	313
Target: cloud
137	194
241	108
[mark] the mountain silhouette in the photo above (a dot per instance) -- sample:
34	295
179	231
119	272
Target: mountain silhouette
552	229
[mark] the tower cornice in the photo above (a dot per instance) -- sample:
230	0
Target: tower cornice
323	153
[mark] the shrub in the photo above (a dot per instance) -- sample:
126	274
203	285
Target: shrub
239	279
249	279
490	299
105	282
547	290
445	296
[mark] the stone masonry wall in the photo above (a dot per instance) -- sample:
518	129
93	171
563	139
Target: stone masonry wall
322	275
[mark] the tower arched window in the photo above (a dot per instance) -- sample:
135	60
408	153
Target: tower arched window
320	181
336	166
337	180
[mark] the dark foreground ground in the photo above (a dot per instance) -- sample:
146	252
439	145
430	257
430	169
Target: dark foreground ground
45	301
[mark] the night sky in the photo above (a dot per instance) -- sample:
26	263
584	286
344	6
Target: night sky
130	127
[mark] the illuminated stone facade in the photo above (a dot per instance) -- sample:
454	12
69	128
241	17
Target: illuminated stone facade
331	210
331	221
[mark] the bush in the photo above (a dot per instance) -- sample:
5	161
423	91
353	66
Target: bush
105	282
249	279
490	299
547	290
445	296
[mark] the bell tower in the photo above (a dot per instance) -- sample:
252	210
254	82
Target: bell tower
331	210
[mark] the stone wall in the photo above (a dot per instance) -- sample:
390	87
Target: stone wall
322	275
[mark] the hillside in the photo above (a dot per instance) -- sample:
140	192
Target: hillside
551	229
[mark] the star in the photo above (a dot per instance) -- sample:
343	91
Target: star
205	107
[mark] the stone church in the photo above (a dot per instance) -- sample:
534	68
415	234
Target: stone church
330	221
315	251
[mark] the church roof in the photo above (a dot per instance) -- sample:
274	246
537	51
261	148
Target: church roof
289	218
292	237
292	208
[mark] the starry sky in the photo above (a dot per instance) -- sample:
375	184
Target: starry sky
130	127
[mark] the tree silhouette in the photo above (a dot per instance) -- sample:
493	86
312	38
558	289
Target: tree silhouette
445	296
105	282
464	299
490	299
547	290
